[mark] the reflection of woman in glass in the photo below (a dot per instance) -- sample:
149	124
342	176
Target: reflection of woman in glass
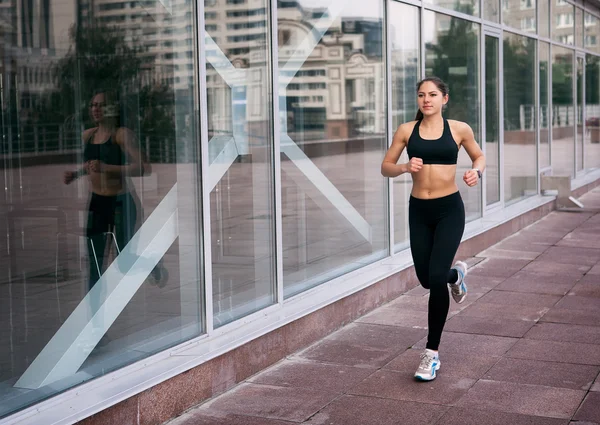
111	156
436	211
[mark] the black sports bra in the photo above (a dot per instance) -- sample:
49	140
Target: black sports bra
108	152
439	151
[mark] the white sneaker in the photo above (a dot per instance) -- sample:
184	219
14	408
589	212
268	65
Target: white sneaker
430	364
459	289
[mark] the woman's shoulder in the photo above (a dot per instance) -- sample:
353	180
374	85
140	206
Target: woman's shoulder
404	130
459	125
408	126
123	134
87	133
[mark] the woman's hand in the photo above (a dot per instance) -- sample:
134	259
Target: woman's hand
95	166
414	165
69	176
471	178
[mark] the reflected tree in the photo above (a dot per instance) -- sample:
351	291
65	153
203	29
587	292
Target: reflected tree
99	58
454	58
519	79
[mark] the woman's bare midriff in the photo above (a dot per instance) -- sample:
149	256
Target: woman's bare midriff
105	185
434	181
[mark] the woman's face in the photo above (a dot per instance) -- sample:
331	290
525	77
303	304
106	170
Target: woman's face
97	107
430	99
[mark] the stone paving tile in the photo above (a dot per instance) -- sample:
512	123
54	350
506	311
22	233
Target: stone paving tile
318	376
535	400
200	417
453	364
590	409
565	333
580	240
509	253
546	277
498	267
467	344
403	386
396	317
538	286
518	298
500	311
587	289
571	255
377	336
488	326
550	374
573	302
596	386
271	402
462	416
350	410
595	270
562	315
562	352
568	271
344	353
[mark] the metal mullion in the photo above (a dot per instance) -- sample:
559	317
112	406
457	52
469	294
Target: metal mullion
537	117
422	39
501	117
551	106
574	91
483	109
583	112
205	180
388	91
277	184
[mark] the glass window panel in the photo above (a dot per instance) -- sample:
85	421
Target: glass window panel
544	14
563	22
591	39
469	7
520	14
592	112
563	112
332	112
492	120
491	10
452	53
579	111
405	46
96	268
240	158
545	113
520	174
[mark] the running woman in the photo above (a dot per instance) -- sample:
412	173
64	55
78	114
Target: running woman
436	214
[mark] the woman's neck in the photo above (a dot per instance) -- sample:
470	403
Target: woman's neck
105	128
432	122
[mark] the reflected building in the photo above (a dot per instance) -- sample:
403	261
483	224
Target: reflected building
215	227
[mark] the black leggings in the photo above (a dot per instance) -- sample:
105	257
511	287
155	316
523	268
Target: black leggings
116	214
436	228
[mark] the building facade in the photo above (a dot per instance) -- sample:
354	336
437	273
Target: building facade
260	127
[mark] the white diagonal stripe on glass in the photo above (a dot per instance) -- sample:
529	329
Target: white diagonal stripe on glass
74	341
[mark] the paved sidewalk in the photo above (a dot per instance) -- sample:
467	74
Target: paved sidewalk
524	348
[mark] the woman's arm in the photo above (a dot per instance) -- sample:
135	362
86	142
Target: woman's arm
390	166
471	177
